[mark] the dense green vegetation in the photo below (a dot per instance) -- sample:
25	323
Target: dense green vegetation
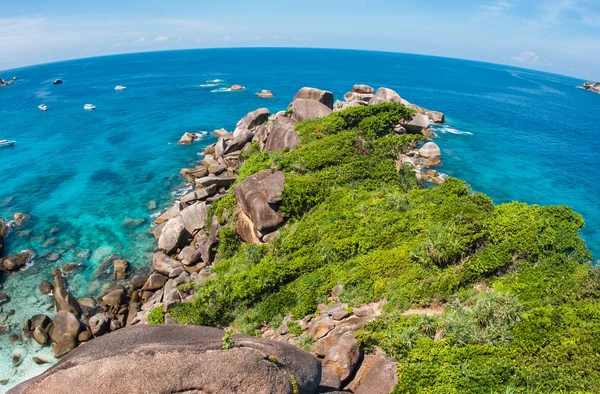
532	323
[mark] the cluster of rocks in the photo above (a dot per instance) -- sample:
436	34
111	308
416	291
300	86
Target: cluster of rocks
423	161
190	138
237	87
591	86
6	83
366	95
332	330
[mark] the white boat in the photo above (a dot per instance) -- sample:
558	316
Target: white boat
43	107
119	87
6	143
89	107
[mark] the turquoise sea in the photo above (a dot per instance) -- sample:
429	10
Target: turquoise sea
92	180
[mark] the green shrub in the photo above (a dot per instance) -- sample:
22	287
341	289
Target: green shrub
294	328
156	316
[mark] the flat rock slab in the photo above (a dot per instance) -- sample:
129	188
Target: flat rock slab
171	358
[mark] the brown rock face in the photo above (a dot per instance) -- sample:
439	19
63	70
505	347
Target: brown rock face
63	300
381	379
304	109
323	96
256	195
174	359
17	261
344	356
282	135
251	121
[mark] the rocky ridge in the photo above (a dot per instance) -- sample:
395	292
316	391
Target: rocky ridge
187	236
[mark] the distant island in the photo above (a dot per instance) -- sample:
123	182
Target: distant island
591	86
4	83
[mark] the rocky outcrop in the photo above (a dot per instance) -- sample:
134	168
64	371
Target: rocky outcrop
591	86
265	94
385	95
63	300
323	96
258	198
189	138
16	262
251	121
304	109
177	359
423	161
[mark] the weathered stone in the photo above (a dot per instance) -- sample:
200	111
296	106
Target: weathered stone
155	281
238	142
189	359
98	324
245	228
381	379
189	255
254	194
193	218
86	302
364	89
303	109
358	98
430	149
364	311
115	298
168	214
282	135
172	235
138	281
187	138
221	181
320	326
39	360
200	195
63	300
64	323
344	356
330	380
64	345
4	298
385	95
164	264
85	335
435	116
120	269
323	96
222	133
251	120
40	336
265	94
45	287
16	262
417	124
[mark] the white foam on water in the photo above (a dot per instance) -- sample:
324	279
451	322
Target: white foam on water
444	129
221	90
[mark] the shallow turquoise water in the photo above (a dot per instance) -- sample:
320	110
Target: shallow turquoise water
523	135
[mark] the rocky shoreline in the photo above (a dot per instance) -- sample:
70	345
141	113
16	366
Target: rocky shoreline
591	86
188	233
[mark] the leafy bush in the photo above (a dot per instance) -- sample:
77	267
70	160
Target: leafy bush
156	316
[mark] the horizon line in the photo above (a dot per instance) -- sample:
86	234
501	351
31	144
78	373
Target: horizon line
290	48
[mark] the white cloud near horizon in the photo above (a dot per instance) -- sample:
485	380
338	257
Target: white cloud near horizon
529	57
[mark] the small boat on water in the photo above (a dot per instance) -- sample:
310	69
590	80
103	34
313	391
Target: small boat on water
57	81
119	87
6	143
89	107
43	107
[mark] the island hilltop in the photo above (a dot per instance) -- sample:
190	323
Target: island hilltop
321	250
591	86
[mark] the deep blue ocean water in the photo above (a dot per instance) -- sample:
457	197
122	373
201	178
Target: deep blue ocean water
93	176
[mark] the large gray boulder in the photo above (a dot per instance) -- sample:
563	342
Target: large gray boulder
172	235
256	195
363	89
323	96
385	95
417	124
381	379
178	359
194	217
430	150
304	109
282	135
251	120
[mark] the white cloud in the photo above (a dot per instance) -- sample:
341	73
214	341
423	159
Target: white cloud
226	38
140	40
493	9
527	57
161	39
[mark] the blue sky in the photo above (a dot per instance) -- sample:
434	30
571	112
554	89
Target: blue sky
561	36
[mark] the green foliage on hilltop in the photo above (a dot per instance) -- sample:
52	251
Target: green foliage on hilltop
532	324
